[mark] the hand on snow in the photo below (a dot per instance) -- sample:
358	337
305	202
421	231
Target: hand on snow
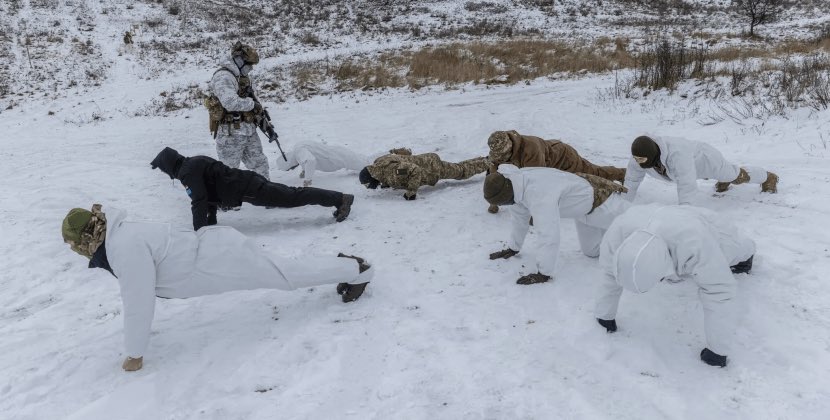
712	359
409	197
131	365
307	183
610	326
506	253
533	279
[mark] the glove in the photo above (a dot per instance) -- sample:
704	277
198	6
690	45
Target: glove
257	109
307	183
532	279
712	359
507	253
409	197
610	326
132	365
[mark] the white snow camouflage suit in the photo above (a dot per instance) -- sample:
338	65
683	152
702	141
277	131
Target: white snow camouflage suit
649	243
686	161
316	156
158	259
242	144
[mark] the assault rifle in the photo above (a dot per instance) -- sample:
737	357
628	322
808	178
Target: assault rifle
264	122
267	128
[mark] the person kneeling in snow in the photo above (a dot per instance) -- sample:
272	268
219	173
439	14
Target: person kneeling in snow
156	259
315	156
684	162
210	184
546	195
651	243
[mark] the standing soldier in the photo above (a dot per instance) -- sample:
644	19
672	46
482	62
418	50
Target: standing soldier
235	112
530	151
400	169
684	162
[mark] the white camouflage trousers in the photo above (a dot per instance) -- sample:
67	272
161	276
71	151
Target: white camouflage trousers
233	147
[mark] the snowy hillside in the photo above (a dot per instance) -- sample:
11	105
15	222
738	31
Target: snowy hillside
442	332
56	47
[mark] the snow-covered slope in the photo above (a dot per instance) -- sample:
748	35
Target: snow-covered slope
443	332
51	47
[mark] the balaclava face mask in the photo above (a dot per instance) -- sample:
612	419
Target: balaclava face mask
646	152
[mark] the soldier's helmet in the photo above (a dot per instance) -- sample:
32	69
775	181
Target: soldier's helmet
501	147
246	52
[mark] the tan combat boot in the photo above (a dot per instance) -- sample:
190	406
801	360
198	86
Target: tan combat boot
771	184
493	208
742	178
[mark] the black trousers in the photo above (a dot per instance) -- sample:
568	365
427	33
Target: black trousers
271	194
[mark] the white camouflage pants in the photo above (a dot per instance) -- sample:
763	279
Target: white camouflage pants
235	146
591	227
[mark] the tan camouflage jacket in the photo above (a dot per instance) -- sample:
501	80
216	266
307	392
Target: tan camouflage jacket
407	172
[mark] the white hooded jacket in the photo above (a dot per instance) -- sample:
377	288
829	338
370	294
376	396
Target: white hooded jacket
697	245
156	259
685	161
548	195
314	156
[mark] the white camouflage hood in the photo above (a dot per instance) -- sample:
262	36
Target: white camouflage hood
641	261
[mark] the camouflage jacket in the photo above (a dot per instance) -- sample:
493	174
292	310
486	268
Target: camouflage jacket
228	86
402	170
407	172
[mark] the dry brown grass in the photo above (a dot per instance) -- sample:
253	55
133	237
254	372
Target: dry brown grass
518	60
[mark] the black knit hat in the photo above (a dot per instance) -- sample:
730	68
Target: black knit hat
367	179
645	147
498	190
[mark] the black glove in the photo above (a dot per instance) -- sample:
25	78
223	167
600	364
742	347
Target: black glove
506	253
257	109
712	359
409	197
610	326
532	279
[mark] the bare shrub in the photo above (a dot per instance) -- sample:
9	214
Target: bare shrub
180	97
662	66
758	12
310	38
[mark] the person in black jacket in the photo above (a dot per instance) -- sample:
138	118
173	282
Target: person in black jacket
211	184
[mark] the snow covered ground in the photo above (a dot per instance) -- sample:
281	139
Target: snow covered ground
442	332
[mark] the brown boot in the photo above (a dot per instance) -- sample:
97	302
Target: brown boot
771	184
493	209
743	178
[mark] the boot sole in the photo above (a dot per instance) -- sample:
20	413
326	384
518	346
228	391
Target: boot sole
353	292
345	208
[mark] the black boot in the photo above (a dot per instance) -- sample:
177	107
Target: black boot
344	209
351	292
742	267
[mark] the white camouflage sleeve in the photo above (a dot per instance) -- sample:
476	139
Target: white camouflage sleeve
224	86
633	177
